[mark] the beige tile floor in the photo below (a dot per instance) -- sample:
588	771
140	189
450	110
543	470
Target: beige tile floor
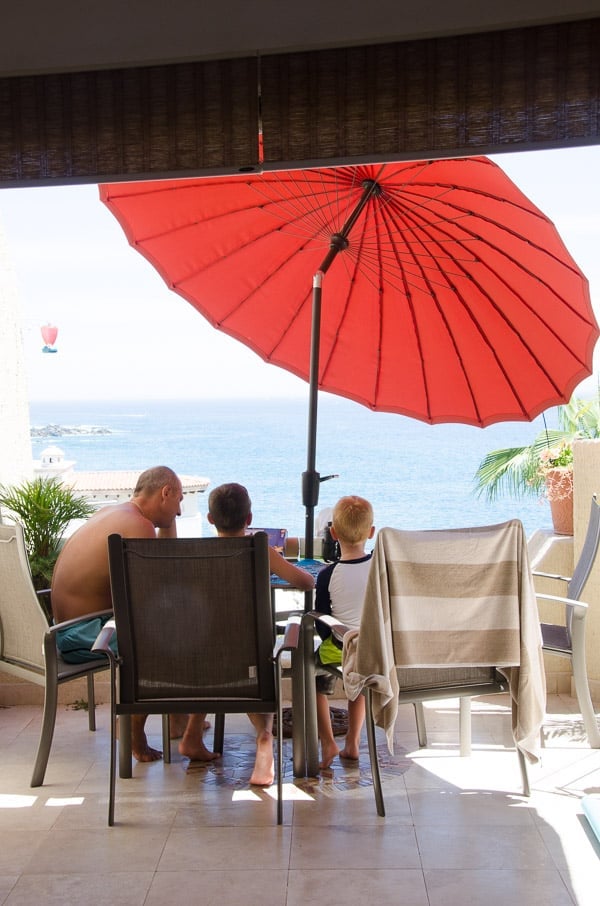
457	830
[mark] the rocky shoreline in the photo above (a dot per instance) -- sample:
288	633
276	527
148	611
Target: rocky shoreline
65	430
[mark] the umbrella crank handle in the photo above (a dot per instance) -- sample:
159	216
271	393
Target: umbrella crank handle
310	488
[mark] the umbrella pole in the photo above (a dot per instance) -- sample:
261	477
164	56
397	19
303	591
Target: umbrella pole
311	478
306	762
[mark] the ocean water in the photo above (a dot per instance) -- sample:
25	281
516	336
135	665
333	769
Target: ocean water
415	475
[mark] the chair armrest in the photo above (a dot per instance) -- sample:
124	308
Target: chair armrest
338	629
88	616
579	608
536	572
104	637
290	639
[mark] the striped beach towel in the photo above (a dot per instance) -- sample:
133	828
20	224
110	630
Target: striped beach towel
450	598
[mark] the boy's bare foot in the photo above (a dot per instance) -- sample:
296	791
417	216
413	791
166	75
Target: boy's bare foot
196	751
264	768
178	724
328	752
350	753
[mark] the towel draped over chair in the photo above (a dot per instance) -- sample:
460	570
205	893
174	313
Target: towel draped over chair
421	587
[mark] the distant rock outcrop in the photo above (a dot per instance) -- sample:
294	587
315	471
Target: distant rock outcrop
64	430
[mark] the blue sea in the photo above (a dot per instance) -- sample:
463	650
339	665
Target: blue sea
415	475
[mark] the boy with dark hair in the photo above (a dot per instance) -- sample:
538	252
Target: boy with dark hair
230	511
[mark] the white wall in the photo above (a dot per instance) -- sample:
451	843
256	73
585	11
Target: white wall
15	442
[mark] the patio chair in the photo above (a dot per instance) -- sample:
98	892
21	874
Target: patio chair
28	645
195	633
567	639
447	614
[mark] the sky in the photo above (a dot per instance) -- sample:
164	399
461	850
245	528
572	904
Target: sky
122	333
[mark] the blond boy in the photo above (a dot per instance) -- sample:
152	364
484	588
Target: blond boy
340	592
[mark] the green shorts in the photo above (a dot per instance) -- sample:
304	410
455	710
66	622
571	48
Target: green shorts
328	652
75	642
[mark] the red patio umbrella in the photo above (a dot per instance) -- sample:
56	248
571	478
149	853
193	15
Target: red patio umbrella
454	299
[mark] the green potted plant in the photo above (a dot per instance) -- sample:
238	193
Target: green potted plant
44	507
544	467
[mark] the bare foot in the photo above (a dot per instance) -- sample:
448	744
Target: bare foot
178	724
264	768
350	753
328	752
139	742
195	750
142	751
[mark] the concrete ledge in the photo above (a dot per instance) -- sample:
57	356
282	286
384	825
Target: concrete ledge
14	691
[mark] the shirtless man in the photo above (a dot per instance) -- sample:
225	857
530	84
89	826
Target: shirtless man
230	511
81	581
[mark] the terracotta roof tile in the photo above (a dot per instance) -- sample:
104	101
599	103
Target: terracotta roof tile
126	481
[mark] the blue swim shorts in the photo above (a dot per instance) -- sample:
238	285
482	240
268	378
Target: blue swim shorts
75	642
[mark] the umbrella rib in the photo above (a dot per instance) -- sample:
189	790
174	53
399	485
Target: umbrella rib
466	213
475	323
517	263
380	339
384	222
352	283
450	332
251	241
300	204
439	223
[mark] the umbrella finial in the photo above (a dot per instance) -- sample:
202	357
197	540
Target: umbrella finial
338	242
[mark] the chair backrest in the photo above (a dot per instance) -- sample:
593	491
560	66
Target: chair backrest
588	553
193	618
453	595
23	623
456	598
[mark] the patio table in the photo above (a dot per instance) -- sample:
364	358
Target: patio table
305	740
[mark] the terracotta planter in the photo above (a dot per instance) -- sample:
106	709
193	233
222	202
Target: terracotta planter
559	491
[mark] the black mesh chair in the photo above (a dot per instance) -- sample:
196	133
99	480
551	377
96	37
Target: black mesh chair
195	633
567	639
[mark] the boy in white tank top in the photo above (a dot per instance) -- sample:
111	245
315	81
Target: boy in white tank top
340	592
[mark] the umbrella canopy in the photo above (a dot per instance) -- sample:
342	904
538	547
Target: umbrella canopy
454	299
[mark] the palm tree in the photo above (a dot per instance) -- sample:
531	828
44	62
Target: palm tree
519	471
44	507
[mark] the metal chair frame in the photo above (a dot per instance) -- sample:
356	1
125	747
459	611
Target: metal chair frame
177	573
567	640
28	645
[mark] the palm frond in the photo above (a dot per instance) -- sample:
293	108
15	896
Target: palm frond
512	470
516	470
44	507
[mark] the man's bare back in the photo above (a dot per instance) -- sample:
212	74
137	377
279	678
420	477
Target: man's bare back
81	580
80	584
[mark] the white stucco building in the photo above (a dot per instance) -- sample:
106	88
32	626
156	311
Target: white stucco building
15	443
107	487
